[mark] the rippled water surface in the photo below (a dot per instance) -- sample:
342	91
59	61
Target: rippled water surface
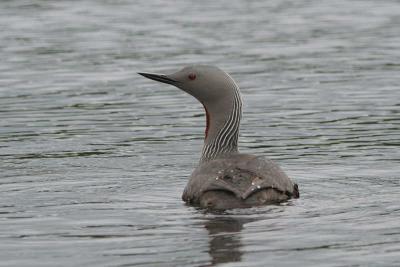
94	158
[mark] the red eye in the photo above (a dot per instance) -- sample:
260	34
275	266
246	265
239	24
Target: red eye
192	76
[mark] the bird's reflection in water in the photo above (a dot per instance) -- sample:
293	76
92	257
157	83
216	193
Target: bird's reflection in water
225	239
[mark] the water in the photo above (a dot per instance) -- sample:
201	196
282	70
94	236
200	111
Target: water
94	157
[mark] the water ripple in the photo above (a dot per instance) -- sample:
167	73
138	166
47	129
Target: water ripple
94	158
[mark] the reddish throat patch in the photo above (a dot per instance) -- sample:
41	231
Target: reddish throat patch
207	121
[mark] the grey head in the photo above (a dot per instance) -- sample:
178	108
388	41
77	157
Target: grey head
206	83
220	96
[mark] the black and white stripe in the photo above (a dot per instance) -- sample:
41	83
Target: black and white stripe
226	141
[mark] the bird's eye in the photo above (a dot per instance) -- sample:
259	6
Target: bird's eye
192	76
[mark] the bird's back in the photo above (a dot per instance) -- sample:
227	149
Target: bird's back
239	180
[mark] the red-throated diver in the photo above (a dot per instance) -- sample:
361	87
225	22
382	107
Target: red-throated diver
225	178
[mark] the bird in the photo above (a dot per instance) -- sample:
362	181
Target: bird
225	178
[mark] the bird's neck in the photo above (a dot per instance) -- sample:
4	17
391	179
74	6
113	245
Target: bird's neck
222	127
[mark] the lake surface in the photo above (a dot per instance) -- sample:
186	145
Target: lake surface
94	157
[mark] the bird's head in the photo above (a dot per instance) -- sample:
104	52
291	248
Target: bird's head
208	84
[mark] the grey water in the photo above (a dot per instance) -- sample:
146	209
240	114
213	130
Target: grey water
94	157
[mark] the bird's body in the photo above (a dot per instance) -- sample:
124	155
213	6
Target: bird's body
225	178
238	180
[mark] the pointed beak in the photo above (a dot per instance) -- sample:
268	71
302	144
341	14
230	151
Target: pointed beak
159	78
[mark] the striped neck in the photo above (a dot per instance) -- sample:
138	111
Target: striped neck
223	121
